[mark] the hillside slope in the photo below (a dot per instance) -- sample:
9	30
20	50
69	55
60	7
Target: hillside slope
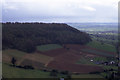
26	36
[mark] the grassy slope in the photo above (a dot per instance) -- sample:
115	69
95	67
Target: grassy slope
105	47
48	47
14	53
12	72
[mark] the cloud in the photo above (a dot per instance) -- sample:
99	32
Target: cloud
60	10
7	6
89	8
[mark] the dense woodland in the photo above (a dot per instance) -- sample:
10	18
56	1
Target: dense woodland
26	36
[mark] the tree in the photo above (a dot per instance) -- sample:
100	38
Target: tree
53	73
13	61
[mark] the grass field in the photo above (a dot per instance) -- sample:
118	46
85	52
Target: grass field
87	60
105	47
14	53
87	76
84	60
98	52
48	47
111	67
12	72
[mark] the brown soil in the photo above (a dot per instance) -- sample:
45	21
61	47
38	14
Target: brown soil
61	65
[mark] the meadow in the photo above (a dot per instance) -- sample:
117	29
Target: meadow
105	47
12	72
98	52
48	47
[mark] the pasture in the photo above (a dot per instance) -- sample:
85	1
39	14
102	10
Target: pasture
14	53
96	52
87	76
48	47
95	60
105	47
12	72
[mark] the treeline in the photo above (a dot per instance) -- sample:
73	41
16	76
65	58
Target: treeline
26	36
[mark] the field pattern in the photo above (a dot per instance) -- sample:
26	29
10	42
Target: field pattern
73	58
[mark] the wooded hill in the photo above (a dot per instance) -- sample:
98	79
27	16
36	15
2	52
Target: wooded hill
26	36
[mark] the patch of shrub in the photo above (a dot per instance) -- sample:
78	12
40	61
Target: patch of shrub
96	72
28	67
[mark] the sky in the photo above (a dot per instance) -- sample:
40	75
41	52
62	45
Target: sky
60	11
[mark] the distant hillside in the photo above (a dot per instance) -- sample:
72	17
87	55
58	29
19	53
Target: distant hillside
26	36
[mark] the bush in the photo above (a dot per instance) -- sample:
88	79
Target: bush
96	72
25	67
65	72
19	66
28	67
53	73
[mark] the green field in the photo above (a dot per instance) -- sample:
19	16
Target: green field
48	47
105	47
111	67
12	72
87	76
84	60
98	52
14	53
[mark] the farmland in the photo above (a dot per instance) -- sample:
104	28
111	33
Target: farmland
65	58
77	57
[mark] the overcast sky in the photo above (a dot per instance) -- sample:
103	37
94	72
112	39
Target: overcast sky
60	10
